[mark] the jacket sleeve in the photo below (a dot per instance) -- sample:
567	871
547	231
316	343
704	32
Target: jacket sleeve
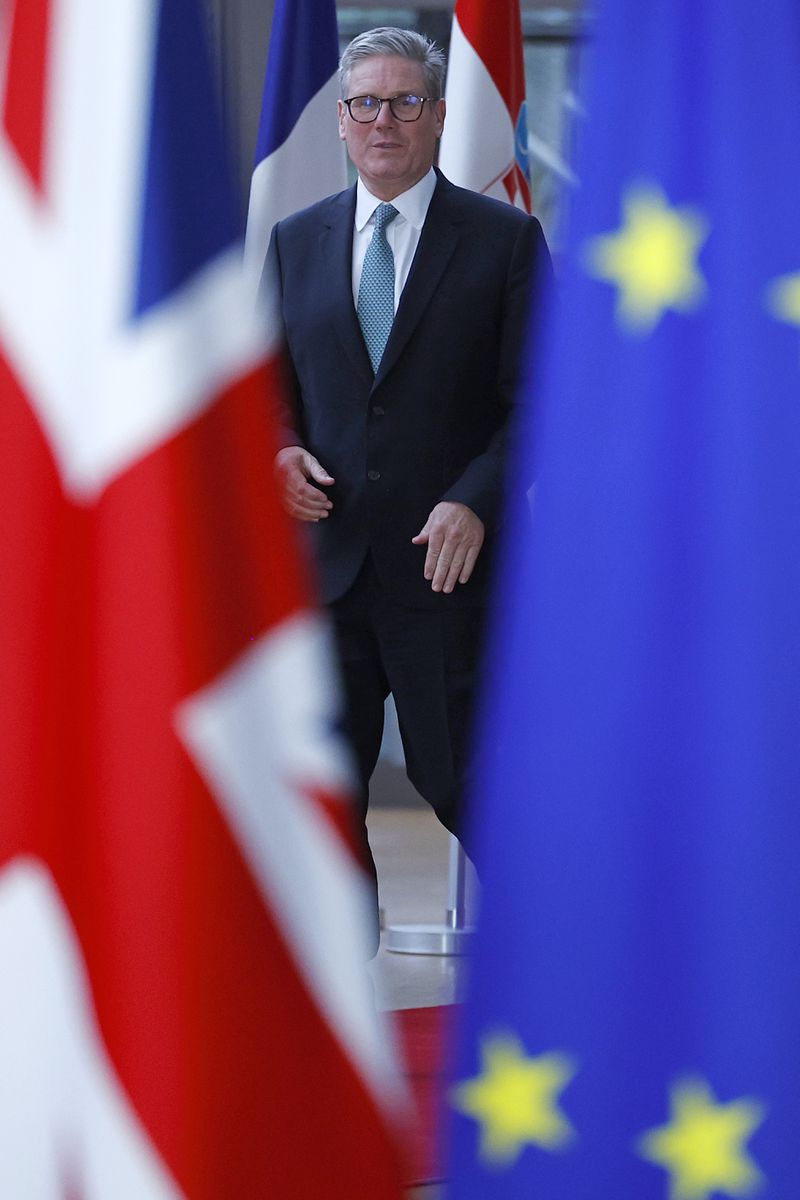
480	486
289	409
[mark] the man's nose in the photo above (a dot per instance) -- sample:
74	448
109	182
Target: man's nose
385	116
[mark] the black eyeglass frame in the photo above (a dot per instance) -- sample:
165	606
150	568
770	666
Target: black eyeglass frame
390	101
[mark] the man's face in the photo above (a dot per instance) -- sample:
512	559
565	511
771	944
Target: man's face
390	155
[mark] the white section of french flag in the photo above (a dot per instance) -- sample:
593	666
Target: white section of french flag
310	163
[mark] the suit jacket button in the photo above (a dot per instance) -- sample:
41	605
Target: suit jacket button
378	410
373	475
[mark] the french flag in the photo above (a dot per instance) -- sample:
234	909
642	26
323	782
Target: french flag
485	142
299	157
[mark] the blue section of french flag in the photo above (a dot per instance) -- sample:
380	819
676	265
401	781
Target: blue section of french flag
185	149
299	157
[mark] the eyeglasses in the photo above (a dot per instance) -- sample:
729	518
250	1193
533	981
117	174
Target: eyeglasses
406	107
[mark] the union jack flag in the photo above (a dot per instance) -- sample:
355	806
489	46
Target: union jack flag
183	1002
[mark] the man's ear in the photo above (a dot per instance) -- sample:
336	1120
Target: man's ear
440	112
342	118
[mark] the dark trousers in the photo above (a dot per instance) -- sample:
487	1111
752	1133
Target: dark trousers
428	661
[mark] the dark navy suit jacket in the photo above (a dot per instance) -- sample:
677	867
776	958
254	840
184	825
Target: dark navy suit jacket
433	423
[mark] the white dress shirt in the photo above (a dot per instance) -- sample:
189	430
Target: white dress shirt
402	234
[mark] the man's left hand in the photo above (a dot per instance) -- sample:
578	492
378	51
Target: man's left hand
454	535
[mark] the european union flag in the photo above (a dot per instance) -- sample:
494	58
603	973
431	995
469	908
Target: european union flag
633	1030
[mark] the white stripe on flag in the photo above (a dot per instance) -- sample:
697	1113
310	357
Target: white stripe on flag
477	148
61	1097
258	734
107	388
308	166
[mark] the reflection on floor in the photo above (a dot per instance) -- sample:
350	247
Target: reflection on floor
412	851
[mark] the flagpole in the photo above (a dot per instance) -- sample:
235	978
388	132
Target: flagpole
454	935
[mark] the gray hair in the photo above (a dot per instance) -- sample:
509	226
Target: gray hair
404	43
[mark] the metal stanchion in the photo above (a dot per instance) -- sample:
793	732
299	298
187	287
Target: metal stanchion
452	937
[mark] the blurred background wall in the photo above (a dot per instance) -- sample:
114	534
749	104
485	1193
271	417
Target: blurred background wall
556	45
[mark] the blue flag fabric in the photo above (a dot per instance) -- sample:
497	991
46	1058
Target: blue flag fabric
303	55
299	156
632	1027
185	149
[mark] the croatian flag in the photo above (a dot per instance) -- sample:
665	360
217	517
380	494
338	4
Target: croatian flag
183	1005
485	141
299	156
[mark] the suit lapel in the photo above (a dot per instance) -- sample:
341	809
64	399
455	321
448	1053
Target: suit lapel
336	256
438	240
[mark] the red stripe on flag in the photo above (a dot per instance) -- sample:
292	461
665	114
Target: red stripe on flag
26	83
113	615
494	30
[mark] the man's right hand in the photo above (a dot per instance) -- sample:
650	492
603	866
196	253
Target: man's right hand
294	467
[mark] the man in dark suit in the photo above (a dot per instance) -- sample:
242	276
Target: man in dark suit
395	451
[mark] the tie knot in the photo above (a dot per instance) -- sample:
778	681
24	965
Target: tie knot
384	215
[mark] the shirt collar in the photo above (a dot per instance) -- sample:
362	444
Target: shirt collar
412	205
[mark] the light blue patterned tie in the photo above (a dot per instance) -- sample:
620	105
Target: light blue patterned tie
376	291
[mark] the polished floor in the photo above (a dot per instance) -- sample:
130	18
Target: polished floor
412	853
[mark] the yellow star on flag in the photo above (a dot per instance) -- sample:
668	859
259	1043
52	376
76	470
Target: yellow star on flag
703	1146
515	1100
783	298
652	259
